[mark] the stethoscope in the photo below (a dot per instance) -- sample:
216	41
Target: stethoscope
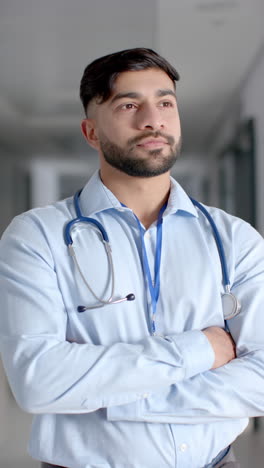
231	305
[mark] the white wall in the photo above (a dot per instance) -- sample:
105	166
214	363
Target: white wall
247	102
252	105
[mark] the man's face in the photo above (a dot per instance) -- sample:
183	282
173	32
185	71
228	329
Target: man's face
138	127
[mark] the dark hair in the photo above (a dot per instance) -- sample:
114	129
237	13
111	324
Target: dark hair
100	75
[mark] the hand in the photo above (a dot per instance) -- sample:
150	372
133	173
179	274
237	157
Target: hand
223	345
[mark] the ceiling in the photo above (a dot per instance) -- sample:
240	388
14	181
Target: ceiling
44	47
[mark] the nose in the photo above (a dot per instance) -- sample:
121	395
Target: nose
149	117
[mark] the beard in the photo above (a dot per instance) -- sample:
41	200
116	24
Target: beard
130	161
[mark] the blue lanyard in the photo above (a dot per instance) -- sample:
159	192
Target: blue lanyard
154	286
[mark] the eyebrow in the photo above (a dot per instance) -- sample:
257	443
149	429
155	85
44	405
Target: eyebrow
134	95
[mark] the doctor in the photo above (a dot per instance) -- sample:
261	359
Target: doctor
152	382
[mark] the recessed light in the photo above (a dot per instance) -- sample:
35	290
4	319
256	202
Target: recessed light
217	5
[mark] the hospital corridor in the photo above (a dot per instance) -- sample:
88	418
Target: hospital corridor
182	84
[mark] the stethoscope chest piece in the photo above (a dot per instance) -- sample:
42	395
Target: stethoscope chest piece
231	305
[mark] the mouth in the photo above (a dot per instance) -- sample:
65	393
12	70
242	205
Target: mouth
152	143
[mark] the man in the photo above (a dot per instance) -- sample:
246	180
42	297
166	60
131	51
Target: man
128	365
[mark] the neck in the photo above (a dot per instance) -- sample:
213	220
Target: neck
144	196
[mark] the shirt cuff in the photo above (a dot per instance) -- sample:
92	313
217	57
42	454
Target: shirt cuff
198	355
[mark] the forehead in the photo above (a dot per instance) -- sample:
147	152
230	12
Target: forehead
144	82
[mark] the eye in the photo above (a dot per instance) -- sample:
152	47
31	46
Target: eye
128	106
167	104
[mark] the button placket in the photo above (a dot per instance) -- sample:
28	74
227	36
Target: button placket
183	447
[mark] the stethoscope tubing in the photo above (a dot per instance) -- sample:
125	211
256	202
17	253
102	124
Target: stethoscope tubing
218	242
82	219
228	296
69	242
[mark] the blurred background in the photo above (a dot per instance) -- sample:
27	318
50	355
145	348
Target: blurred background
218	48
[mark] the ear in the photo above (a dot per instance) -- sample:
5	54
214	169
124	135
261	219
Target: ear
89	131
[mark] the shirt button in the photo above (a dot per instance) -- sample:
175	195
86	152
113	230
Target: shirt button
147	235
183	447
145	395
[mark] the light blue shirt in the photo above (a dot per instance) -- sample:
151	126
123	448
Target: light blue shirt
105	393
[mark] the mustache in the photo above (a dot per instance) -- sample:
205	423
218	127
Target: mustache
136	140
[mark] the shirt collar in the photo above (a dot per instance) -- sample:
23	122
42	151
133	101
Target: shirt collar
96	197
179	202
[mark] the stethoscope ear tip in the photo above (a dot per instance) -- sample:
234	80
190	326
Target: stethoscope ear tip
130	297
